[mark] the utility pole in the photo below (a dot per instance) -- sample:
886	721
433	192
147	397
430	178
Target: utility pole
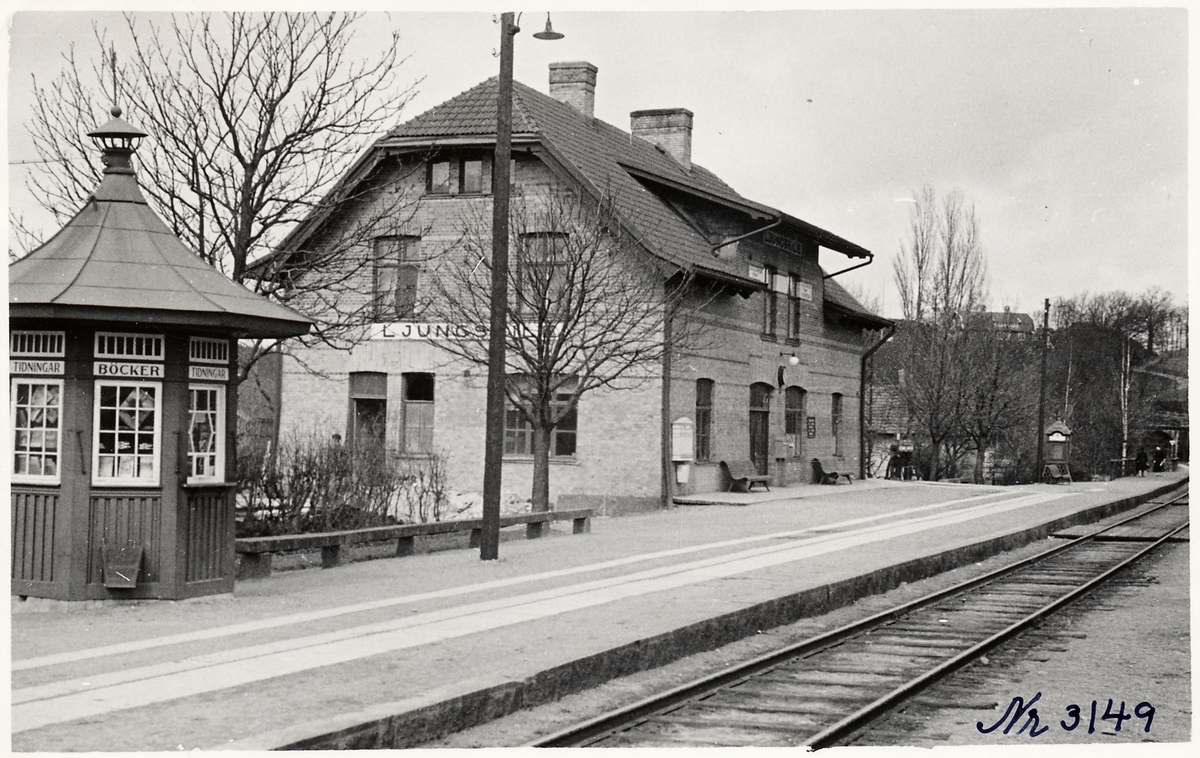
489	536
1041	425
493	456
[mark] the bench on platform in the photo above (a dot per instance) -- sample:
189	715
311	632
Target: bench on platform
256	551
744	471
824	472
1055	473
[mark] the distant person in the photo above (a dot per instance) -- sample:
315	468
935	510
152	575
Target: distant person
1142	462
893	466
1159	457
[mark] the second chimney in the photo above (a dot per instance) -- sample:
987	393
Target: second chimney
667	128
574	84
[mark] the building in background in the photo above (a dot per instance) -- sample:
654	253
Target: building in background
775	381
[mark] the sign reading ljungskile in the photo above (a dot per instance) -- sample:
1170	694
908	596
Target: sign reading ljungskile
433	332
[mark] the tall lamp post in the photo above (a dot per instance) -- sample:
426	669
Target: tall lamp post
1041	428
489	541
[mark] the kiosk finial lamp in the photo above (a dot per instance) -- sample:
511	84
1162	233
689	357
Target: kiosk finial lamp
549	32
117	140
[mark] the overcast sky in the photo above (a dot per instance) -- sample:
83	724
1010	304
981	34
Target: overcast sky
1066	128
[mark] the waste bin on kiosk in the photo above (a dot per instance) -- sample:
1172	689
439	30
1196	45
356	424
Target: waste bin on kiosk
123	369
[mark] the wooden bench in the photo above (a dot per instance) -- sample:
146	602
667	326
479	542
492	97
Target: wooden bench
1055	473
256	551
824	473
744	471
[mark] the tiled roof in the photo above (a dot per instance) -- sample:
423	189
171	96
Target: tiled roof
1006	321
609	161
887	412
603	156
837	296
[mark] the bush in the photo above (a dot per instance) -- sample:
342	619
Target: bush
313	483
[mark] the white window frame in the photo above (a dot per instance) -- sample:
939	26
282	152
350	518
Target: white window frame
198	346
15	337
155	340
12	425
218	475
115	481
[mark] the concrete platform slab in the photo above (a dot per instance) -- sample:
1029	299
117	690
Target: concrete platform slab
391	653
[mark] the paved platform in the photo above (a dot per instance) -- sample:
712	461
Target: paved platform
390	653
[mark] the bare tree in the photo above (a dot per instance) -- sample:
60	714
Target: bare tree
1116	333
941	276
913	268
589	308
933	384
961	272
999	387
253	120
941	270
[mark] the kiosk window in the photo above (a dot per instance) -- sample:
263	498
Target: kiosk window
127	433
206	410
36	408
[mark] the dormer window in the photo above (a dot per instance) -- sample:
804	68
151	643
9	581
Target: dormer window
473	176
439	179
462	174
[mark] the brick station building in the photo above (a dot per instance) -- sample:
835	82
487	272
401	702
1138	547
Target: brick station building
778	383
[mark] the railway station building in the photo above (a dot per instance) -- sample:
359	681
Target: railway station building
776	382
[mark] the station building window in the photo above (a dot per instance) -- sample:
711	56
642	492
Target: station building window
368	409
770	315
126	444
541	285
704	410
518	431
36	424
206	433
417	408
835	417
795	285
397	273
469	173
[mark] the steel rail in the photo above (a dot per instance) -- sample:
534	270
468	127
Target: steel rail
595	729
866	714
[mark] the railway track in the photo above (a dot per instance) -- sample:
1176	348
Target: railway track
821	691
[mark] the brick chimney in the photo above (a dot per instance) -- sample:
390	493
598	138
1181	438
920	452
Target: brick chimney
574	83
668	128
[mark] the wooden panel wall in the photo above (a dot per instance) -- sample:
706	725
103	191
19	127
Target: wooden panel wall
33	520
121	517
209	538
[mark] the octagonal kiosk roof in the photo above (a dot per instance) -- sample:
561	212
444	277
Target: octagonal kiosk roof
116	260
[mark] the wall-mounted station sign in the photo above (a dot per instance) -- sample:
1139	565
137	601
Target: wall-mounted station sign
409	330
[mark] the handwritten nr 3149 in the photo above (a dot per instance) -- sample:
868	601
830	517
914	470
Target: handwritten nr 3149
1076	717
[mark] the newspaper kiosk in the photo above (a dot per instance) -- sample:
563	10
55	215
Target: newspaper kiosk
123	401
